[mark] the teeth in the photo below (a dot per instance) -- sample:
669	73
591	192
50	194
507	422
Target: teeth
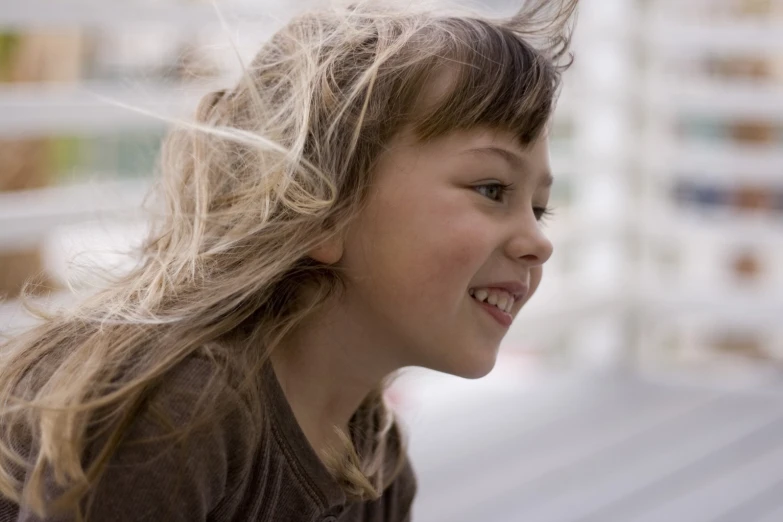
500	299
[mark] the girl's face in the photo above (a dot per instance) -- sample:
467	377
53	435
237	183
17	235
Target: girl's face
447	223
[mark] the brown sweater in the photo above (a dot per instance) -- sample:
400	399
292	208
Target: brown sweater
226	475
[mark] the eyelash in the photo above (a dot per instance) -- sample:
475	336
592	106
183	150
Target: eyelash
542	213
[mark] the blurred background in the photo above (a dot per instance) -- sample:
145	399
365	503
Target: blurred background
643	381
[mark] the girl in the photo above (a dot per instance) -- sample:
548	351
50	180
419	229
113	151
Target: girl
367	198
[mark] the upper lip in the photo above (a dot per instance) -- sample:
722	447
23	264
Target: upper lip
516	288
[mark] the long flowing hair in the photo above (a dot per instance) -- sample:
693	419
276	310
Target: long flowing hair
269	170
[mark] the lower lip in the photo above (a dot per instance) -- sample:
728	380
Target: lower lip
500	316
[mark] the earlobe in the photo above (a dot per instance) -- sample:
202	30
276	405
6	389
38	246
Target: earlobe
329	252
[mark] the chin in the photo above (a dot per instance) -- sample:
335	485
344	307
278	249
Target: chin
476	372
470	367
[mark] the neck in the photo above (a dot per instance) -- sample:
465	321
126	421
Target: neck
326	369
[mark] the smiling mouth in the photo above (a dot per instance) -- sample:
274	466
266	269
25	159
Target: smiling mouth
498	298
496	305
504	319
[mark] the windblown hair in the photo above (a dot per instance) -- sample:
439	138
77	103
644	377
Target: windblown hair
270	169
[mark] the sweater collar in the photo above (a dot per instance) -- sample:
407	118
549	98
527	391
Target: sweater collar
314	475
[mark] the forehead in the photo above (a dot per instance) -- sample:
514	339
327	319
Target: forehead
533	160
487	145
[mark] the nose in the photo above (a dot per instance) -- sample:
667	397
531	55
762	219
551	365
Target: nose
528	243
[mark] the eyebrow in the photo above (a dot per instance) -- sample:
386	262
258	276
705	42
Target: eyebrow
515	160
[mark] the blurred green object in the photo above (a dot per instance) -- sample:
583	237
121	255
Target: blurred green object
64	156
8	42
121	155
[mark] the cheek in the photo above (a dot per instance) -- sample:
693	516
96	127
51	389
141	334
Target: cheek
452	249
449	246
421	249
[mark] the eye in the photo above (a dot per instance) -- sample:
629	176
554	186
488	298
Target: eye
494	191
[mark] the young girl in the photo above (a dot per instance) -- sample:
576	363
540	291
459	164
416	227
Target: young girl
366	198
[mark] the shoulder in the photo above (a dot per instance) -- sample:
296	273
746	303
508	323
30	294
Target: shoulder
196	399
189	445
184	445
197	403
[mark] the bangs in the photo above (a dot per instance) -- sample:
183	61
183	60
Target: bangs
493	78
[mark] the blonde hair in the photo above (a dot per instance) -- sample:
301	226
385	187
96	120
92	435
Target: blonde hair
268	171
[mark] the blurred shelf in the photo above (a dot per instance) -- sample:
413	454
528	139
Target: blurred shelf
727	162
724	304
42	109
674	39
718	99
27	217
716	227
37	109
192	16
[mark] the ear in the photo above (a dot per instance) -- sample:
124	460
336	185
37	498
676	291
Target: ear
329	252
